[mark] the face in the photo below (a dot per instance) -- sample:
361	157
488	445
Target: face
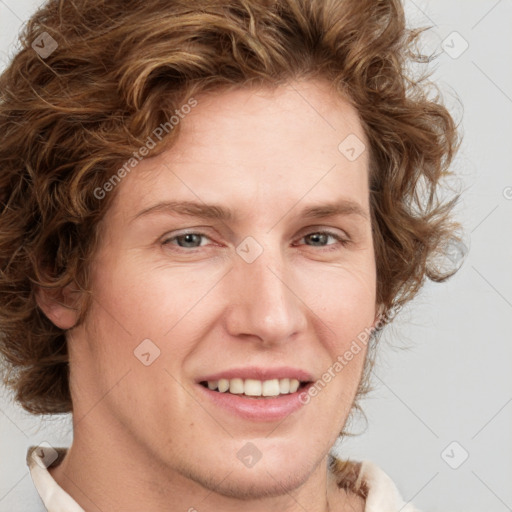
184	297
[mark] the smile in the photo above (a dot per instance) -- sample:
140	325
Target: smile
253	387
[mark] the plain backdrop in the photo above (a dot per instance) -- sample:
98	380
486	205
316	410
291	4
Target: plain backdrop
440	418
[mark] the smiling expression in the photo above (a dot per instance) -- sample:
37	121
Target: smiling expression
236	264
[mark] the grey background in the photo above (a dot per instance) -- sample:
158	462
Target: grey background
452	383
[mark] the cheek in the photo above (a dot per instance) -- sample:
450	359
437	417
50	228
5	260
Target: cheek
344	299
136	303
145	301
348	311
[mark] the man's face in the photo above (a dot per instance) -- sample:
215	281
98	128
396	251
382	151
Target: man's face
180	300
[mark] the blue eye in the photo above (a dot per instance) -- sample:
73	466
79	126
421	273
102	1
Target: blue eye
323	236
189	240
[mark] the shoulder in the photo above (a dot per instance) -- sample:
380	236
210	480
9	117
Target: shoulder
370	482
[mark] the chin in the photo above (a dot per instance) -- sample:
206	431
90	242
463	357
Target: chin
263	480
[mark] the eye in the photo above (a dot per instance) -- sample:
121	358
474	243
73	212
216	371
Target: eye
192	240
320	239
185	240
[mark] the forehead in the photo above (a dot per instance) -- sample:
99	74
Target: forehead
258	148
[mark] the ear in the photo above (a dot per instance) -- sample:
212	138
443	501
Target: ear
61	306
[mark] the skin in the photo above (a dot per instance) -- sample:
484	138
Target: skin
144	439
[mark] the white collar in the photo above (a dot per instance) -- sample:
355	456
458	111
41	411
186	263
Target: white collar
383	495
54	497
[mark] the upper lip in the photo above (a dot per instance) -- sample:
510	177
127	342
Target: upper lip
260	373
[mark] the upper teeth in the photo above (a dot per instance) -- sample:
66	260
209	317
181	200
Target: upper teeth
254	387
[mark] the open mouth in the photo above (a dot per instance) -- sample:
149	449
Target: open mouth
252	388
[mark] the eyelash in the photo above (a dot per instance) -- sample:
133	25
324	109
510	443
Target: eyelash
342	241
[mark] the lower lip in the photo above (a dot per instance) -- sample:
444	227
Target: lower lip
257	409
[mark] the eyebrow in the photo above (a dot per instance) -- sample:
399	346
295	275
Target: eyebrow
217	212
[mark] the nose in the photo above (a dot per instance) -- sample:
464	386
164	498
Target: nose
262	301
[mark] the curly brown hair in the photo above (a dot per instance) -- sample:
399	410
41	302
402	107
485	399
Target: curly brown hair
116	70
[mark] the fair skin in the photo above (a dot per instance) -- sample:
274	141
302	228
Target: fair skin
145	437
